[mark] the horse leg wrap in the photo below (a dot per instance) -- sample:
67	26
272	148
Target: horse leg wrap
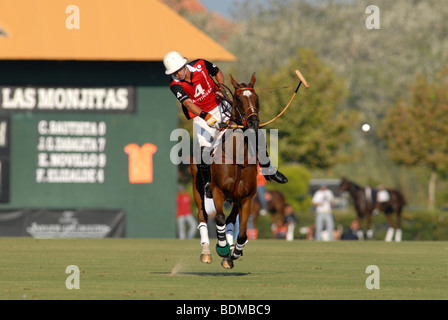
230	228
221	235
238	251
222	247
398	233
223	251
203	231
360	234
389	234
290	232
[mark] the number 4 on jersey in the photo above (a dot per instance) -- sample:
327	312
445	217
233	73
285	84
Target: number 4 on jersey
198	91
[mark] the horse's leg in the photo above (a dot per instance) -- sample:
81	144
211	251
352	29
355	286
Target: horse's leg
359	216
227	262
206	256
360	232
230	224
369	233
281	215
398	231
242	235
222	247
276	223
281	212
391	230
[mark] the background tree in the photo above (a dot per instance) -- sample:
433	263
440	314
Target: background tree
416	132
377	65
314	127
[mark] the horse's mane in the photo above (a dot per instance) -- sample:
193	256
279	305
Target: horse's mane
353	184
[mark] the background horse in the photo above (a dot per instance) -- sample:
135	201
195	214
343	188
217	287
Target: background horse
276	207
231	180
364	200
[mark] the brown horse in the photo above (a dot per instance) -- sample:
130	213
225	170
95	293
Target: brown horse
365	203
233	177
276	207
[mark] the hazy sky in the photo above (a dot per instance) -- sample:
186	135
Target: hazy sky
220	6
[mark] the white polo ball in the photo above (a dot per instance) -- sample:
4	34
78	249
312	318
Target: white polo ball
365	127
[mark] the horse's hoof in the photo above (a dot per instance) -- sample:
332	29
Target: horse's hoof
223	251
206	258
227	263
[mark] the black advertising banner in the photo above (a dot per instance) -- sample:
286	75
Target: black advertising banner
5	123
63	223
67	99
4	179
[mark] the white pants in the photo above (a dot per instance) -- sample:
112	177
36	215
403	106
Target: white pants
321	220
203	133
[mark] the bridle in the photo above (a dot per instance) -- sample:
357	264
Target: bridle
240	124
241	115
249	112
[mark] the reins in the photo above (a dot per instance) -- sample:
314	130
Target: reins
235	126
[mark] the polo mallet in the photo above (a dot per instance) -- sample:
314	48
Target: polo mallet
305	83
302	80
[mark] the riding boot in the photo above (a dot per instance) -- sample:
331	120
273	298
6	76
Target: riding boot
204	170
277	176
270	173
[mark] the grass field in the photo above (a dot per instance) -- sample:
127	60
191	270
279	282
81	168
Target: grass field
169	269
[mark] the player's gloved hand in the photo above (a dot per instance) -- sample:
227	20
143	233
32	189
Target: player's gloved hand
221	92
212	123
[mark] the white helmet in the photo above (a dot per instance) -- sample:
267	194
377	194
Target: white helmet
173	61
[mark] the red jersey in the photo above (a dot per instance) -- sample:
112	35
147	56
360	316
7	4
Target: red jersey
183	204
201	90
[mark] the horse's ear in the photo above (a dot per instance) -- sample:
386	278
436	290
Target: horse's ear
234	83
252	80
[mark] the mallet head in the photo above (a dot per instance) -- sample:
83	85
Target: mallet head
302	78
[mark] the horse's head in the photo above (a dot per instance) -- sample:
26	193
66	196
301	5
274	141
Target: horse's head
246	106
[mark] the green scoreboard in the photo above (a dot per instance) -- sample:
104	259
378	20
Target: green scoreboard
85	139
